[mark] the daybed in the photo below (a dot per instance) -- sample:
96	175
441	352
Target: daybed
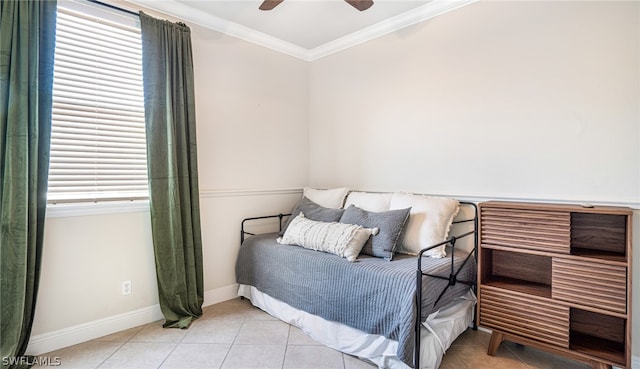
383	252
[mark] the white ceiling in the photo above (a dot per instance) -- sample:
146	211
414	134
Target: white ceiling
307	29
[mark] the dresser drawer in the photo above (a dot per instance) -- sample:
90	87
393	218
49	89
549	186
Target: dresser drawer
526	229
593	284
537	318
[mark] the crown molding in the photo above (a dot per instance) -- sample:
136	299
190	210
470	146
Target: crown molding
191	15
409	18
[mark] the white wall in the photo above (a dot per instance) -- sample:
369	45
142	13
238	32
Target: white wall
506	99
522	100
85	259
252	108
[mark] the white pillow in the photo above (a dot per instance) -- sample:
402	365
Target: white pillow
369	201
331	198
429	221
344	240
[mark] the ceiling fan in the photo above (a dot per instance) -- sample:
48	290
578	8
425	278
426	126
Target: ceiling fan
358	4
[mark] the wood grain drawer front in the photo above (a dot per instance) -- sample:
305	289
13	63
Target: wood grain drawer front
527	229
590	283
536	318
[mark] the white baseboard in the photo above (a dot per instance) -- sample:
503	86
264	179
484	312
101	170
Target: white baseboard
220	294
51	341
55	340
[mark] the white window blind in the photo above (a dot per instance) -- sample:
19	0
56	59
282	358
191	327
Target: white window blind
98	149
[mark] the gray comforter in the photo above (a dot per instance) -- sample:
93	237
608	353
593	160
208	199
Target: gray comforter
373	295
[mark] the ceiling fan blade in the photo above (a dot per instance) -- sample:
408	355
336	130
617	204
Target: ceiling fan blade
360	4
269	4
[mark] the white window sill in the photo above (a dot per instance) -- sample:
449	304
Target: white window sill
91	208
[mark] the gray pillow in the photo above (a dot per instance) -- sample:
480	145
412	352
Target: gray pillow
313	211
391	224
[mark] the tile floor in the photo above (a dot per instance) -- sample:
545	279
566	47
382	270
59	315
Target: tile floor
236	335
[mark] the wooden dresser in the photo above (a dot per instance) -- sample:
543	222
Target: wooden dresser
558	278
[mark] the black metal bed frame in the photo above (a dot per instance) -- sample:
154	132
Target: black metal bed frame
453	275
243	233
452	278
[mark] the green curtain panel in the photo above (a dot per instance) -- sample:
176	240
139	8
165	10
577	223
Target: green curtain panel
169	105
27	42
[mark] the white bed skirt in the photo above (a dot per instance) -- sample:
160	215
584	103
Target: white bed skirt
438	332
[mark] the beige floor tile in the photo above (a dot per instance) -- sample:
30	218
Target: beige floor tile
471	337
298	337
235	303
139	355
255	356
236	335
352	362
122	336
475	356
263	332
196	356
235	309
537	359
87	355
312	357
452	361
257	314
154	332
213	331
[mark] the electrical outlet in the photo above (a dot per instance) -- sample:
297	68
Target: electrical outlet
126	287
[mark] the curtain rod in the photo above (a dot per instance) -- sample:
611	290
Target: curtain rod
115	7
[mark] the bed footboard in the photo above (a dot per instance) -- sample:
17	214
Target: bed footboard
453	274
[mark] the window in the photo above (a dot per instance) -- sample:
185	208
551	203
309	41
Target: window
98	148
